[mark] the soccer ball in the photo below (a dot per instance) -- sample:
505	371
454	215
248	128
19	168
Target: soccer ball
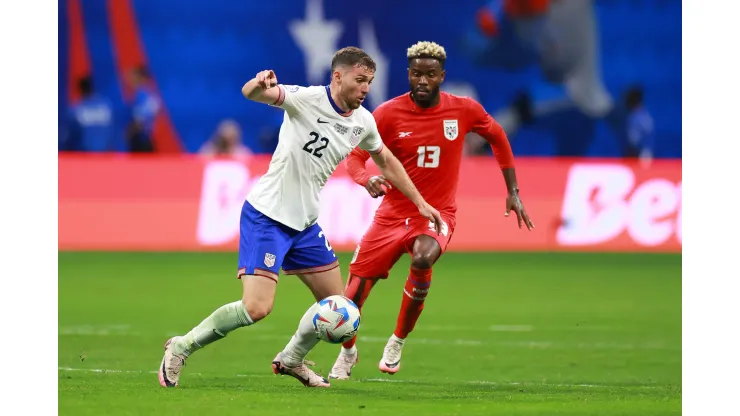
336	320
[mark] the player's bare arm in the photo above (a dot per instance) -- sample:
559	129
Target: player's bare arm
513	202
392	169
356	168
262	88
495	135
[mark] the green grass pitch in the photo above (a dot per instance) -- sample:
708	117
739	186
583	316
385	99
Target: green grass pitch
501	334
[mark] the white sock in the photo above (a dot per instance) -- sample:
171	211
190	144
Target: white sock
398	340
303	340
350	351
215	327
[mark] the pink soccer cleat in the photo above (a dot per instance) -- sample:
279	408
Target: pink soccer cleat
302	373
391	361
342	369
169	370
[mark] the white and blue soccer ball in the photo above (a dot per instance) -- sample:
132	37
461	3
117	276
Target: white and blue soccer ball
337	319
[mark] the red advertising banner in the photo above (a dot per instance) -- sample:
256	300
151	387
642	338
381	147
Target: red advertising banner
166	203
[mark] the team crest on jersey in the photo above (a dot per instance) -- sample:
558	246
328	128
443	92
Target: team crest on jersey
354	139
451	130
269	259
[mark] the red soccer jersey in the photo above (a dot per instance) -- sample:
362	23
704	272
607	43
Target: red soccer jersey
429	144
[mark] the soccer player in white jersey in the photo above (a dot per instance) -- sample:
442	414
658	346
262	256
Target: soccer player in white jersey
278	228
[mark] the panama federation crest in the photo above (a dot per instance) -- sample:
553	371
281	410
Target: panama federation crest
451	130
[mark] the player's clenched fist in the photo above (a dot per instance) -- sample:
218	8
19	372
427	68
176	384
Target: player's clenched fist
266	79
375	185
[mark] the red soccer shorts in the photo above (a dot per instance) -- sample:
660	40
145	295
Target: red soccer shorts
383	244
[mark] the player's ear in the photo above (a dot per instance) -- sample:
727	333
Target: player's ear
442	76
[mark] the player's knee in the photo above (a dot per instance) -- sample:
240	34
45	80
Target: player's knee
422	261
257	309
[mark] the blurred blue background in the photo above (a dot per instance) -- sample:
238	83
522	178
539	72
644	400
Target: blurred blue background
556	77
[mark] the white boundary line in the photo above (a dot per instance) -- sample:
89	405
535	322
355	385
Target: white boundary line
266	333
516	383
385	380
124	329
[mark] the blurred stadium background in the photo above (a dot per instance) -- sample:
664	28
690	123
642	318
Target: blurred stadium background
157	150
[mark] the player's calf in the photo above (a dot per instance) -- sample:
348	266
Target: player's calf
415	293
357	289
215	327
426	251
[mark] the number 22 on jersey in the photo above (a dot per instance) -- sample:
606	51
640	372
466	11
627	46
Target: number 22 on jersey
316	151
428	156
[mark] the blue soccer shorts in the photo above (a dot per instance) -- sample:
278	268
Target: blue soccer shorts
266	246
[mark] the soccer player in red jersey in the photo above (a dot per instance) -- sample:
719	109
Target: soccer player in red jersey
425	129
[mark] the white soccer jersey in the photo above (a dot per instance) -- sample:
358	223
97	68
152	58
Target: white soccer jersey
314	138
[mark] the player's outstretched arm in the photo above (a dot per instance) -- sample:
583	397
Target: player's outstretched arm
394	171
263	88
356	162
513	202
495	135
505	158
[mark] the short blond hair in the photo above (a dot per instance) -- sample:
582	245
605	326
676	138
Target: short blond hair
425	49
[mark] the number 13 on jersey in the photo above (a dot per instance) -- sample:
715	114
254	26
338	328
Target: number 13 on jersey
428	156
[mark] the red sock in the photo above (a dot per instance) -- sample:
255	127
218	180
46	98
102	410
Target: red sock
357	289
417	287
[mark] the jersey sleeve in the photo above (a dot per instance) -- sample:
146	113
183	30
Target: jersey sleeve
372	142
356	162
382	118
292	98
488	128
